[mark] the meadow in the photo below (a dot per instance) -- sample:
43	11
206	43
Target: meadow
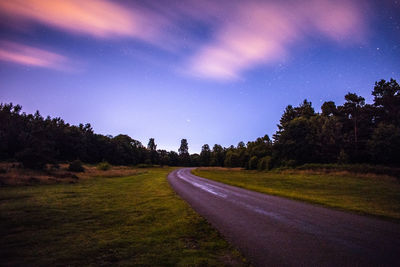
368	194
134	219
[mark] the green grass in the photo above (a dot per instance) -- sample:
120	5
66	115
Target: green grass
134	220
368	194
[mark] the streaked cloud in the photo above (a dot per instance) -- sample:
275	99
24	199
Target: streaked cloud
240	34
98	18
31	56
262	32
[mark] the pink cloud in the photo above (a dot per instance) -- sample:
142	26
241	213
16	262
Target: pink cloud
339	20
244	34
31	56
260	32
99	18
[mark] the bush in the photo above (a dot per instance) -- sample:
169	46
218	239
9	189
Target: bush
55	166
141	165
76	166
290	163
104	166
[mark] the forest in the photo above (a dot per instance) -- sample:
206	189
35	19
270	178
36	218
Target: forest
353	133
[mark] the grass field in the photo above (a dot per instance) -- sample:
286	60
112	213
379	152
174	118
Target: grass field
365	194
131	220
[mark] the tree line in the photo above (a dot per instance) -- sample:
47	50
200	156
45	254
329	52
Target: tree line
354	132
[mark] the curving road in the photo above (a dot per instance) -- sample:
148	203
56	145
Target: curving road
274	231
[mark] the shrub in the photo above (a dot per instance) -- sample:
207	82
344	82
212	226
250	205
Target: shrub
291	163
55	166
76	166
142	165
104	166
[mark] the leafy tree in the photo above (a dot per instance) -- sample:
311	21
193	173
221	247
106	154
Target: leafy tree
217	156
152	148
164	157
152	145
241	145
184	148
384	145
329	138
126	151
205	155
195	160
305	110
357	121
352	109
329	109
387	101
243	154
232	159
260	148
298	141
173	158
296	138
184	153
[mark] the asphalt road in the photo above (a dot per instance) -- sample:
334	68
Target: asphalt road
274	231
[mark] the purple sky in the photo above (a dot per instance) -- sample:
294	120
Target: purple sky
209	71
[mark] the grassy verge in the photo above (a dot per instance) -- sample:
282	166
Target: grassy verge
365	194
131	220
352	168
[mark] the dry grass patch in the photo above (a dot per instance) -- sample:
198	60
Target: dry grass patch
13	174
332	173
92	171
218	169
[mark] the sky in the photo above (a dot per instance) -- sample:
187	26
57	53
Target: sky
210	71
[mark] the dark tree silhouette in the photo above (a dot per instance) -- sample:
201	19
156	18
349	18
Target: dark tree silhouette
152	151
354	132
184	156
205	155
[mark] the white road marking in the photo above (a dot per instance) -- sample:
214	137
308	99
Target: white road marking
206	187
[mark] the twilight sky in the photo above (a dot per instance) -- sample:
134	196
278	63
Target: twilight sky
217	71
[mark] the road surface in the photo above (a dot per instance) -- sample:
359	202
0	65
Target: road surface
274	231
